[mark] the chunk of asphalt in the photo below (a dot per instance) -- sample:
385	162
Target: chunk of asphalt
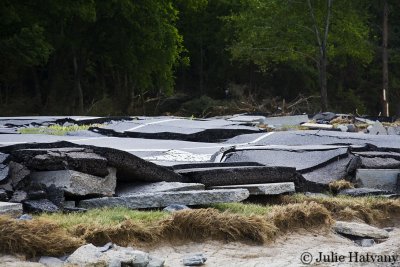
239	175
359	230
126	189
76	158
309	157
10	209
39	206
164	199
361	192
262	189
77	183
129	167
384	179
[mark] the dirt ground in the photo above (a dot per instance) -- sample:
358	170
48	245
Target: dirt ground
285	251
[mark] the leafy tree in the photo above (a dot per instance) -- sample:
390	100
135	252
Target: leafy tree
301	33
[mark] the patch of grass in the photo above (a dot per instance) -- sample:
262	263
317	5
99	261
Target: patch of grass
296	216
372	210
36	237
338	185
56	129
56	234
105	217
203	224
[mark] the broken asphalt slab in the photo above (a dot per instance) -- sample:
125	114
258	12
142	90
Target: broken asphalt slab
263	189
384	179
164	199
301	159
127	189
129	167
218	176
214	130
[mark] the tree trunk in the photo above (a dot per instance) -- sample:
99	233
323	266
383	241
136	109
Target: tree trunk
385	68
77	84
201	67
323	81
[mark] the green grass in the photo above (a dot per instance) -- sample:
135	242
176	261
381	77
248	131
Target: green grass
105	217
56	129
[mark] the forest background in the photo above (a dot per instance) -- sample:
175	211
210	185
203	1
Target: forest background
199	57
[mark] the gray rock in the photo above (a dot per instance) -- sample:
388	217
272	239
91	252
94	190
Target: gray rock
324	117
194	260
343	128
393	130
283	121
164	199
18	173
19	196
51	261
38	206
106	247
89	255
383	179
3	195
55	195
389	229
359	230
175	207
380	163
365	242
121	256
361	192
155	262
377	129
69	204
351	128
25	217
78	183
35	195
239	175
4	170
262	189
11	209
126	189
84	133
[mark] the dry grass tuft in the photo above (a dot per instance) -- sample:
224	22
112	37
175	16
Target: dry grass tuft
372	210
123	234
300	216
338	185
36	237
202	224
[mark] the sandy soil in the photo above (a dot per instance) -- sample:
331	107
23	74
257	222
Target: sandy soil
285	251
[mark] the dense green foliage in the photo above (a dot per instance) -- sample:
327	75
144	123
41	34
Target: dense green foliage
113	57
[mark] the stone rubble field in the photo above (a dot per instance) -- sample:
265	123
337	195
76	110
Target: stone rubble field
155	162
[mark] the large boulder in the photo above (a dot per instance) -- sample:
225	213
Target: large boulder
164	199
77	183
